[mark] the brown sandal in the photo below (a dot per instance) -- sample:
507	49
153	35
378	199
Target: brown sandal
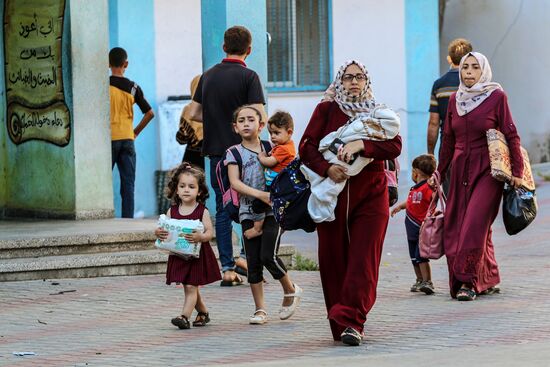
182	322
202	319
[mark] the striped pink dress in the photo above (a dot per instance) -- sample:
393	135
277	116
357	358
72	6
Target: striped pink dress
201	271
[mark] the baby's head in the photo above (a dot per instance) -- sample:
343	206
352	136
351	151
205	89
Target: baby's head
423	167
281	127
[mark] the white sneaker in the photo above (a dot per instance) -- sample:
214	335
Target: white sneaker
287	311
259	317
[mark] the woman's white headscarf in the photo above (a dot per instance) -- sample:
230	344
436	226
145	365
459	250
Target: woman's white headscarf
467	99
351	105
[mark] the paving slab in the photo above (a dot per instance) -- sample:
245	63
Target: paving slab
125	321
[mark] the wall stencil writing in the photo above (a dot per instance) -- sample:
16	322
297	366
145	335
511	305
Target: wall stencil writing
36	108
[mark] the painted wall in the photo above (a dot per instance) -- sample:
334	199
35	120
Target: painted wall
3	133
39	178
178	48
513	34
40	175
132	26
387	68
422	65
299	104
177	58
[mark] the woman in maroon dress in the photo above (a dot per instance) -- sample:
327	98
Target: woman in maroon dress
474	195
350	247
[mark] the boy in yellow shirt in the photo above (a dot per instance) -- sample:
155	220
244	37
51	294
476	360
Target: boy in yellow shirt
123	94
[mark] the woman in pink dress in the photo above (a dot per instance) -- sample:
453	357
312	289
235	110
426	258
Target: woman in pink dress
474	195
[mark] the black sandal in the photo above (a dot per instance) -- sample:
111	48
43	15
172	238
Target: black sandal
465	294
490	291
202	319
182	322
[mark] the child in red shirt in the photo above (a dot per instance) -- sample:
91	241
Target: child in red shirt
281	127
416	207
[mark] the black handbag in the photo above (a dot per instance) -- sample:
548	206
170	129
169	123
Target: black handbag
519	209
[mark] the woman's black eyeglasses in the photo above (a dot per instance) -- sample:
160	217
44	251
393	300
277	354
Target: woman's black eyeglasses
350	77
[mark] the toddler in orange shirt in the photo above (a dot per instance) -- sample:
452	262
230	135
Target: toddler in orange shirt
281	127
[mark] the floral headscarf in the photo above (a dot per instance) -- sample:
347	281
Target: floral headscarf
467	99
350	105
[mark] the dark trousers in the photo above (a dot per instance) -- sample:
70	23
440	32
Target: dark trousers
413	236
194	157
124	156
262	251
223	222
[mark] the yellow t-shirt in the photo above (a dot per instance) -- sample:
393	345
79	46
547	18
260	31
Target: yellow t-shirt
123	94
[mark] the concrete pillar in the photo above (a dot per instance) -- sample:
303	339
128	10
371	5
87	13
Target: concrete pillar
422	63
55	152
216	17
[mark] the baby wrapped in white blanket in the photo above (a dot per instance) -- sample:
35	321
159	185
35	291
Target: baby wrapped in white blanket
381	123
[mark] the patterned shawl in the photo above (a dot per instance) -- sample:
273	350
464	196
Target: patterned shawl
350	105
467	99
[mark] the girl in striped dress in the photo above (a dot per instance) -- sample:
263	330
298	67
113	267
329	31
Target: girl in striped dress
188	192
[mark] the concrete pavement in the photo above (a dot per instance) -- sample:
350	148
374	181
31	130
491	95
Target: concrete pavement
125	321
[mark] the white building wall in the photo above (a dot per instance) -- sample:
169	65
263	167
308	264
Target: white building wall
178	55
513	34
372	32
368	30
300	105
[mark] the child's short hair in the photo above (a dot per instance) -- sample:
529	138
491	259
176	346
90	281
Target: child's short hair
237	40
172	187
458	48
117	57
282	120
426	163
244	107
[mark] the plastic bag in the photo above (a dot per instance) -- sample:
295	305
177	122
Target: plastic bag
175	242
519	209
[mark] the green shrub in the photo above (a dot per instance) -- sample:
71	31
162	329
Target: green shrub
302	263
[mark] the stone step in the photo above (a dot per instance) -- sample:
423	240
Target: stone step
97	264
76	244
83	265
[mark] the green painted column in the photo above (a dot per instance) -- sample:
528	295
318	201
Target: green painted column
216	17
55	153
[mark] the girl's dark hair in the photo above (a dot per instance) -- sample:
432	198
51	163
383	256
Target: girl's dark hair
425	163
172	187
244	107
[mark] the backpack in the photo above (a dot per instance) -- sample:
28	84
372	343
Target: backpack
230	197
290	192
391	168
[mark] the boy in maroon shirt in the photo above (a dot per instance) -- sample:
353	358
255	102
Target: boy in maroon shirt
416	206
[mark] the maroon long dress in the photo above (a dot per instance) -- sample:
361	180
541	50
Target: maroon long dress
200	271
350	247
474	195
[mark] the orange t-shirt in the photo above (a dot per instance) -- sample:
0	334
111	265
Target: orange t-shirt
284	154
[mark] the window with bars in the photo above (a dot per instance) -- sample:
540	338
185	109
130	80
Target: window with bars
298	57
